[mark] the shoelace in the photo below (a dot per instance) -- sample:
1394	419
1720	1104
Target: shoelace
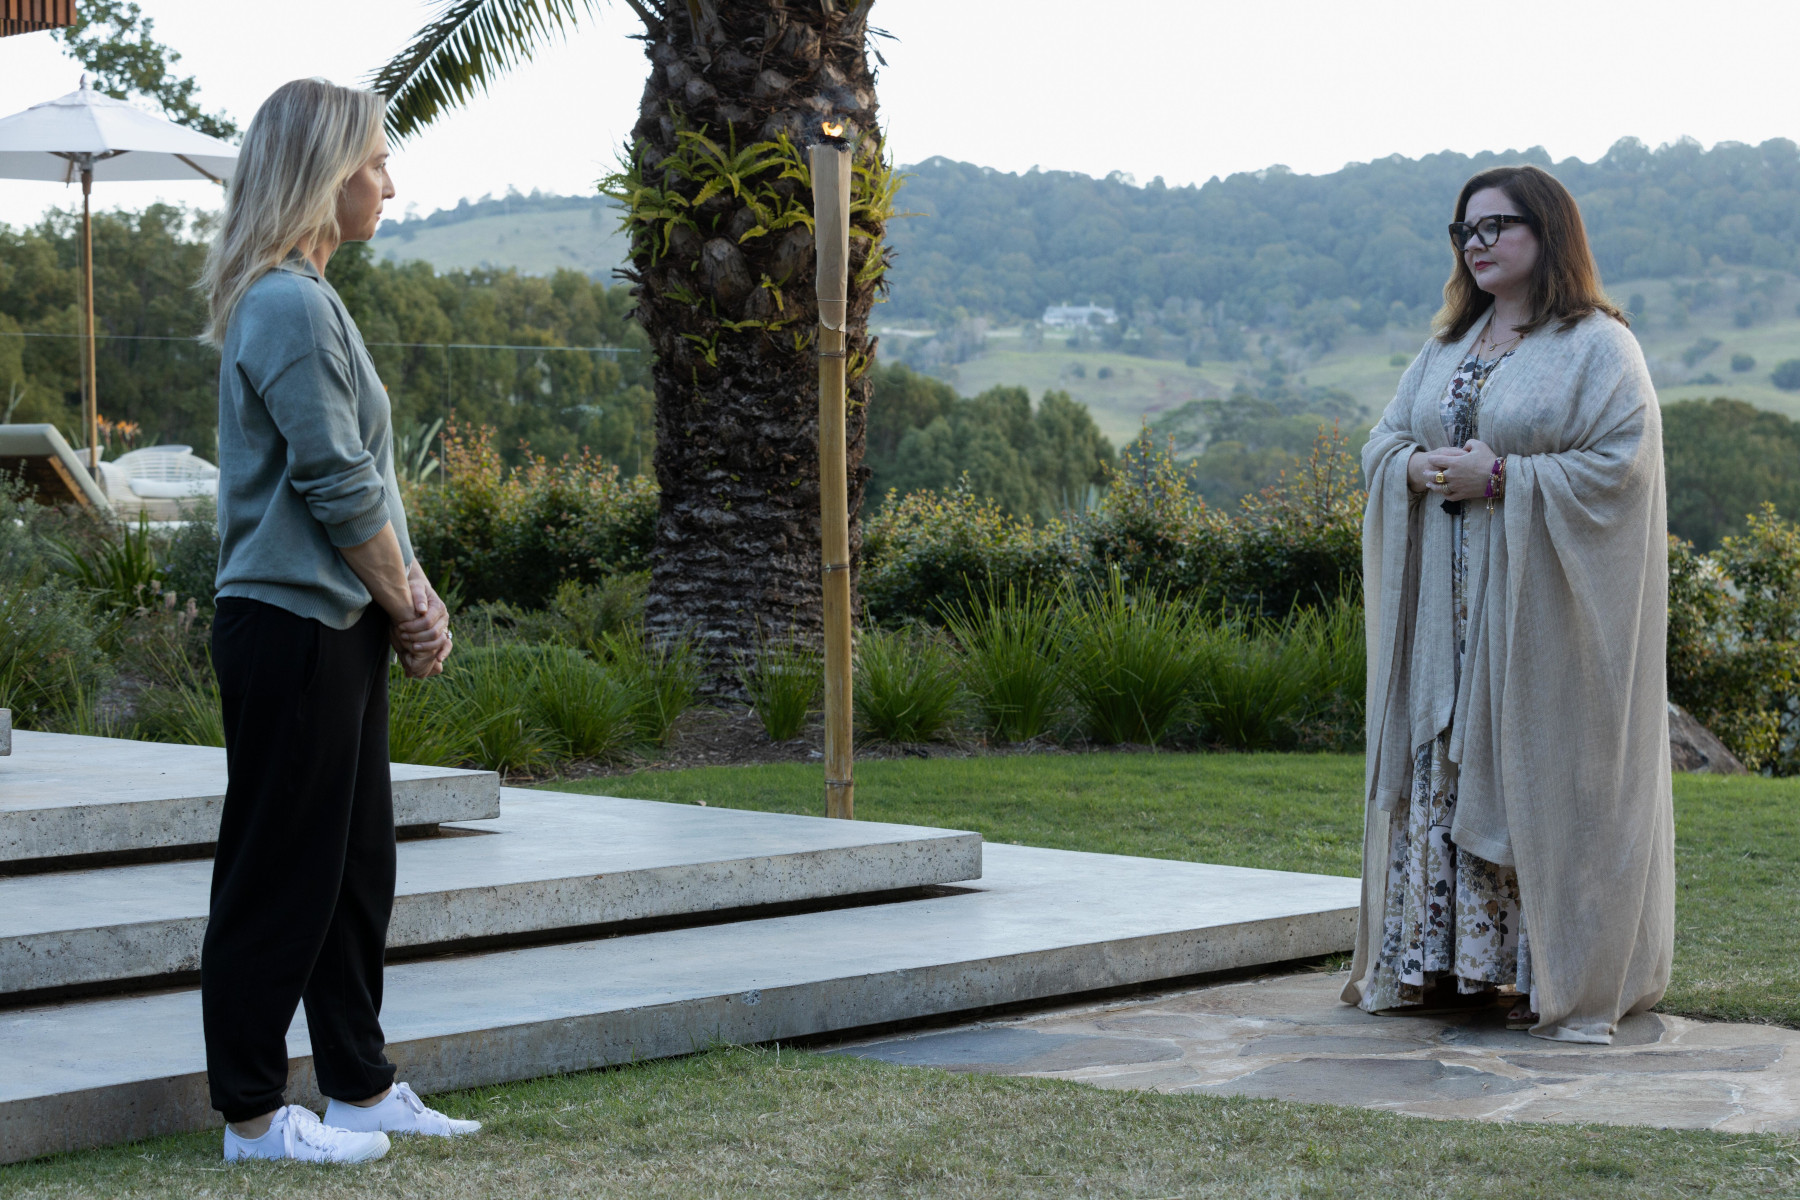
303	1128
429	1119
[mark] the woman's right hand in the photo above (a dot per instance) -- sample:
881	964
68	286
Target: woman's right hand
1419	471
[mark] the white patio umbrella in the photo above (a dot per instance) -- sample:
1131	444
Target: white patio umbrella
89	136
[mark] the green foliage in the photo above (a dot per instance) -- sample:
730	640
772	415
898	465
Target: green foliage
927	549
784	681
50	651
1010	645
190	559
1734	640
1332	654
1034	463
423	724
906	686
1310	251
517	534
111	38
152	371
664	677
118	568
1786	375
1133	661
592	711
1724	459
489	692
1253	682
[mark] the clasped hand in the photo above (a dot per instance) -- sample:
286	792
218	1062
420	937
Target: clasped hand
1466	470
423	643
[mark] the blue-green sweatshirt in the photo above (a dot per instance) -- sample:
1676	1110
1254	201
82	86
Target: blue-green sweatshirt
306	456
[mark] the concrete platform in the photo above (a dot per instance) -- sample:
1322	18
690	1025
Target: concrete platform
62	795
1041	924
1289	1038
551	862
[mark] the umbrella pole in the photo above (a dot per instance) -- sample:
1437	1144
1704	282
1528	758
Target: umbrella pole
90	399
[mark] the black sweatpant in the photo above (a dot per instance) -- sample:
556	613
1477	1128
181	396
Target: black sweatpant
303	883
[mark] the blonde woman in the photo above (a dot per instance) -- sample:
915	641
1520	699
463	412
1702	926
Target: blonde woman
317	581
1520	829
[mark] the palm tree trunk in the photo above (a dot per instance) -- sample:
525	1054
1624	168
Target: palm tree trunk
723	266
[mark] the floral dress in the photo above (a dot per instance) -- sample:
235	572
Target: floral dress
1448	912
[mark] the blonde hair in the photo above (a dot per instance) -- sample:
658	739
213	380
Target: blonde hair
302	146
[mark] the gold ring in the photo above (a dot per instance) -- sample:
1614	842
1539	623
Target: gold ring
1439	478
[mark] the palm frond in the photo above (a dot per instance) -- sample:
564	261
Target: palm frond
466	46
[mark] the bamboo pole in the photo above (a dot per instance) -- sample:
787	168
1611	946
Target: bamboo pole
830	163
90	392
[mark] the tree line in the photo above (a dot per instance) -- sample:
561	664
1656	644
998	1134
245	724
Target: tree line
428	333
1273	246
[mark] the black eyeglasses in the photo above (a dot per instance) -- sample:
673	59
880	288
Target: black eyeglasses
1486	231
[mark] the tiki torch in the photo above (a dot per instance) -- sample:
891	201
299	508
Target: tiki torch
829	159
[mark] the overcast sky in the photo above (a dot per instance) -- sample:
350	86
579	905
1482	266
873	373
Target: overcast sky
1175	88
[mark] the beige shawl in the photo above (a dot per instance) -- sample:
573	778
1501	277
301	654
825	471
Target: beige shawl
1559	713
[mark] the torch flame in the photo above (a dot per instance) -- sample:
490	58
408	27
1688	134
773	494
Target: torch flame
833	128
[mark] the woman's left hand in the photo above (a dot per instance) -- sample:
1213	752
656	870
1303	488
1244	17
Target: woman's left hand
1466	471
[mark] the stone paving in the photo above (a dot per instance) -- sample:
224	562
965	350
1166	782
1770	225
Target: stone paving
1289	1038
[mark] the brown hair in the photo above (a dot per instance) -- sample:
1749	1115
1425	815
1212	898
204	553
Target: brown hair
1565	283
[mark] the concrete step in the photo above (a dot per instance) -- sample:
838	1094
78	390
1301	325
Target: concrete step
1041	924
64	796
552	862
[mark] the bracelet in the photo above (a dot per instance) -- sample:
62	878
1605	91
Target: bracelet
1496	484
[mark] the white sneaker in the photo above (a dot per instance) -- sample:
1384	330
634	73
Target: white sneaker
401	1111
297	1134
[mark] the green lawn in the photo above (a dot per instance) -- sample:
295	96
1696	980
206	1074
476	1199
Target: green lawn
1737	840
757	1122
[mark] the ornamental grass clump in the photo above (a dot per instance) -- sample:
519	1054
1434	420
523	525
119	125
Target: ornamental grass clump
783	681
907	686
1132	663
1253	684
1010	648
592	711
424	724
490	696
663	676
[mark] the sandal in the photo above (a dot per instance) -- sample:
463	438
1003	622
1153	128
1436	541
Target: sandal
1521	1017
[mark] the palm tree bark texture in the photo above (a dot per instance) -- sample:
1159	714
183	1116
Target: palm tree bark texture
717	200
723	264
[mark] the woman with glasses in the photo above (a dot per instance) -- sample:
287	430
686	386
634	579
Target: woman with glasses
1519	835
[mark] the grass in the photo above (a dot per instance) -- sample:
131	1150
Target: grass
1737	840
745	1122
773	1122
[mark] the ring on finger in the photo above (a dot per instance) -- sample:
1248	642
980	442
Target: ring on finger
1439	478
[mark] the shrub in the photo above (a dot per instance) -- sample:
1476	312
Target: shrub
928	548
1133	661
514	534
906	687
1010	649
182	703
423	724
1334	664
1734	640
190	560
50	652
491	698
1252	685
784	680
1743	362
663	677
118	568
1786	375
593	712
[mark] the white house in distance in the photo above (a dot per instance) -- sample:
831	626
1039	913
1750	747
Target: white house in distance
1070	316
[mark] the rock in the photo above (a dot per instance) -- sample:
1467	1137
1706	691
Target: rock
1692	747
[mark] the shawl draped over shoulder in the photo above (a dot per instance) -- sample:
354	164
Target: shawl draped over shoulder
1559	711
